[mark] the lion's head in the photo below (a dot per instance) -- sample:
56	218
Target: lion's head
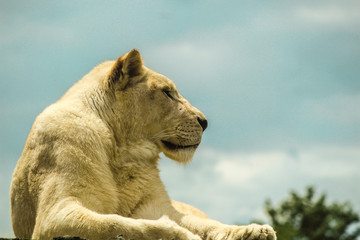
148	106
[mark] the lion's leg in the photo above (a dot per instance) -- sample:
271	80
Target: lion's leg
213	230
70	218
188	209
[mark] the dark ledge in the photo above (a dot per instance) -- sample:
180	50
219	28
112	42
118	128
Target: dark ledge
63	238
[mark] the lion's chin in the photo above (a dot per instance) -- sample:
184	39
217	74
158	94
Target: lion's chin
183	156
180	154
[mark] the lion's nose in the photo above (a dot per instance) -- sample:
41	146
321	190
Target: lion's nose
203	123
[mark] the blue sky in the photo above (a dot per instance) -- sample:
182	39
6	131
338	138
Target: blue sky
279	82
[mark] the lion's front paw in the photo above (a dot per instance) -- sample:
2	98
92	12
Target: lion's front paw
252	232
165	229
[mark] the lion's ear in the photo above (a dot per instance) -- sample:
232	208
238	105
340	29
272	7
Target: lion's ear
126	66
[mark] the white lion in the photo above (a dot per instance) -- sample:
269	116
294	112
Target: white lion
89	167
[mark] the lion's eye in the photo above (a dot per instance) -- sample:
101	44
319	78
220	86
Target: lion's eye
169	93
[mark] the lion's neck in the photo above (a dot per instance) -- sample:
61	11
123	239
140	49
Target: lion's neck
129	141
141	150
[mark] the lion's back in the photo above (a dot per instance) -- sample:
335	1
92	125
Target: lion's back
50	134
28	176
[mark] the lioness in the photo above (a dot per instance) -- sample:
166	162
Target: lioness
90	163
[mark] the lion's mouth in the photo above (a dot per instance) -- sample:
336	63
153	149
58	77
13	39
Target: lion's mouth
173	146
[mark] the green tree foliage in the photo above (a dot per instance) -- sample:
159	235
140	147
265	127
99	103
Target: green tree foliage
310	217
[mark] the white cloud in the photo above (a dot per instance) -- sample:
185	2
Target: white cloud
201	56
245	169
304	16
331	162
232	186
40	33
340	109
242	169
328	15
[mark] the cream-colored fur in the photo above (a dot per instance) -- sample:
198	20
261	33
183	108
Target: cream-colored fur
90	163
